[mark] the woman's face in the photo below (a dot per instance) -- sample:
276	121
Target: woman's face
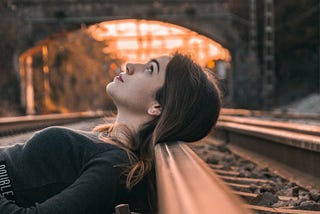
135	89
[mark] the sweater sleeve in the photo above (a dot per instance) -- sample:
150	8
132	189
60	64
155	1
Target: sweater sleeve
93	192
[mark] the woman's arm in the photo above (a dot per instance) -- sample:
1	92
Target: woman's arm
93	192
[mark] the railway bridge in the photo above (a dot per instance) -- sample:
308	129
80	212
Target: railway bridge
42	18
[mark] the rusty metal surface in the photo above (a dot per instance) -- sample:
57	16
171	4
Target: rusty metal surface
187	185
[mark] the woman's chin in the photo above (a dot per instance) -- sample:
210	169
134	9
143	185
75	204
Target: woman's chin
109	88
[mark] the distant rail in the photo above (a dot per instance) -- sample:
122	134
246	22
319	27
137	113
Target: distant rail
293	145
294	127
12	125
273	114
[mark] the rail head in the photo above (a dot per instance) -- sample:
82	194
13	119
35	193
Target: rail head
4	121
187	185
273	114
289	138
9	125
289	126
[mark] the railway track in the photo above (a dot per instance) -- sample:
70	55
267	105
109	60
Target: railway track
286	153
292	149
278	171
262	189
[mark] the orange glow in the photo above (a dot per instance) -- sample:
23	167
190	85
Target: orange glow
211	64
139	40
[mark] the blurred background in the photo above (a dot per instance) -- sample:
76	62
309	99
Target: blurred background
57	56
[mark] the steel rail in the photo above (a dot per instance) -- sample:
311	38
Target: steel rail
31	122
242	183
273	114
291	149
295	127
187	185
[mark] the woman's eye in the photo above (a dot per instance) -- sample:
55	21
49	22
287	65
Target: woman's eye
150	69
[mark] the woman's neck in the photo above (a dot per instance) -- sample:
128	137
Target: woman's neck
128	123
131	120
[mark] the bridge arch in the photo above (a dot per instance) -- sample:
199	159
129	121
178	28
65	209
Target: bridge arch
127	40
138	40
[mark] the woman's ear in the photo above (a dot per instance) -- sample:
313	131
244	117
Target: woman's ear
155	109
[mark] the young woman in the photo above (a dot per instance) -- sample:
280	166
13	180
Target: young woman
59	170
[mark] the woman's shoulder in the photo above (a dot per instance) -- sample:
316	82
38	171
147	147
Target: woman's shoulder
60	132
86	142
110	152
52	130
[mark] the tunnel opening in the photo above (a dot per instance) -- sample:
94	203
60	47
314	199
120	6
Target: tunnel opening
68	71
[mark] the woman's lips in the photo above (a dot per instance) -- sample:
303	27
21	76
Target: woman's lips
119	77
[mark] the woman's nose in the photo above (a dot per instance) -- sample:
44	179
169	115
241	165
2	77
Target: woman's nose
129	68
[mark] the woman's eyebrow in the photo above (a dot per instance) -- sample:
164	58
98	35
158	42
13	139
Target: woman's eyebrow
157	62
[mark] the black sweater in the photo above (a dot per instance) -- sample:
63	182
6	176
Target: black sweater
63	171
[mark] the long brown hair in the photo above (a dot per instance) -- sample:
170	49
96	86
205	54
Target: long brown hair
190	102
